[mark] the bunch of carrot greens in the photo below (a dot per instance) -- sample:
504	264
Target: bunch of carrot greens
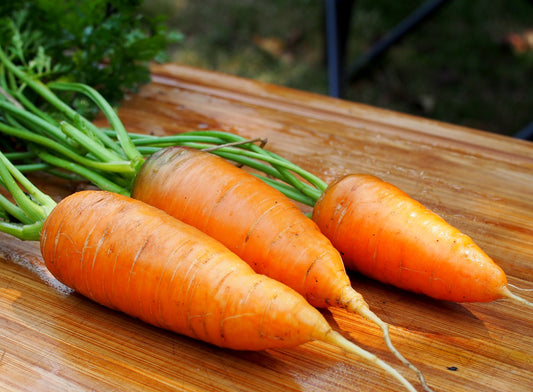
104	47
103	44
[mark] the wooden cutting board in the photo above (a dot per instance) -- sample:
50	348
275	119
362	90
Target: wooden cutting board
52	339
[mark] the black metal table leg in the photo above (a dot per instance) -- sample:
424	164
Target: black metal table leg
338	15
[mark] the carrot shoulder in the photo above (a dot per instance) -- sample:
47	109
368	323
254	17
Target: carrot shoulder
383	233
132	257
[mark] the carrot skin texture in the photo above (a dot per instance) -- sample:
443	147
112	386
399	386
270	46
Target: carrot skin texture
132	257
262	227
385	234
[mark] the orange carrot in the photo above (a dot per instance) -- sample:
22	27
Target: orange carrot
256	222
135	258
251	219
385	234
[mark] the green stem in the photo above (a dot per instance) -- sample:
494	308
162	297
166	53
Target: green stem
25	102
116	124
288	165
14	210
100	181
304	192
280	169
44	126
246	153
55	101
15	190
32	167
266	156
172	140
89	143
30	211
26	232
19	155
114	166
288	191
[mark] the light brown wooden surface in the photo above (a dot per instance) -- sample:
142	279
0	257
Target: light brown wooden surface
54	340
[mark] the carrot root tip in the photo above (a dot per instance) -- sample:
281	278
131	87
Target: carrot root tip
338	340
397	354
506	293
386	337
355	303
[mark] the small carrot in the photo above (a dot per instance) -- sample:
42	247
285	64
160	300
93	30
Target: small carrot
385	234
255	221
132	257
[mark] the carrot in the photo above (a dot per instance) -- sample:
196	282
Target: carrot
132	257
256	222
385	234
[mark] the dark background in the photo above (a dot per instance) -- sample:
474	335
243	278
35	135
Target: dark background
468	64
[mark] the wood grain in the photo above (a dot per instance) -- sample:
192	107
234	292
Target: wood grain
52	339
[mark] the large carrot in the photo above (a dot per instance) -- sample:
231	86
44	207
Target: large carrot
387	235
133	257
255	221
130	256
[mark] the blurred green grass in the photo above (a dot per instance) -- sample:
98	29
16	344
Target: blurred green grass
456	67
